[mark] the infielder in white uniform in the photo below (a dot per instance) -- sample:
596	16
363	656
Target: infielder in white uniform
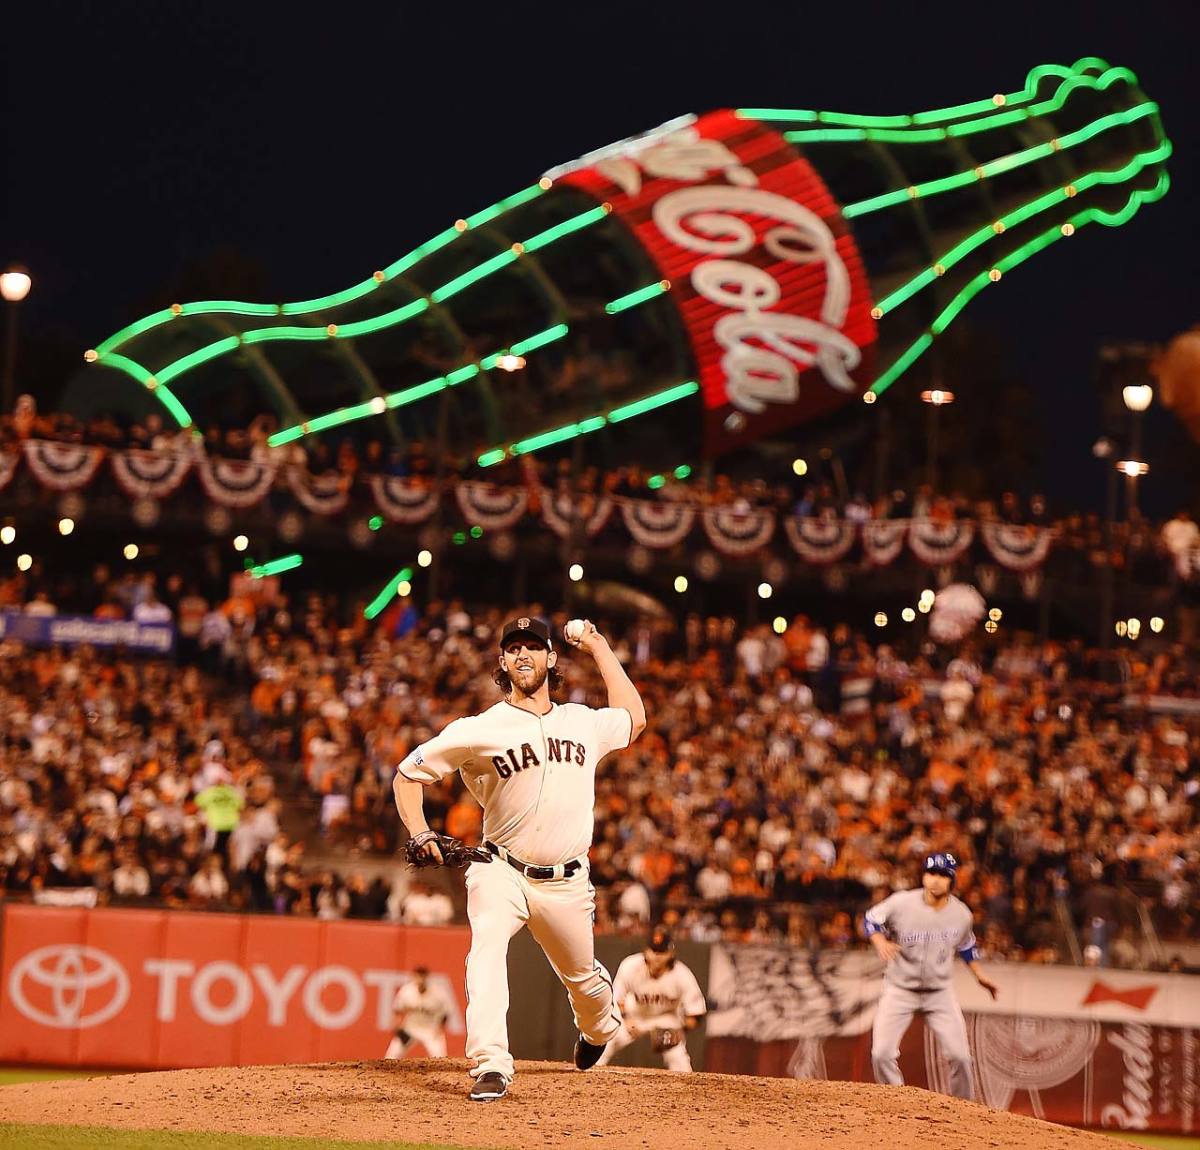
660	997
531	763
420	1012
917	933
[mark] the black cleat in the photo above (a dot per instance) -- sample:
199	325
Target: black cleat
490	1087
587	1055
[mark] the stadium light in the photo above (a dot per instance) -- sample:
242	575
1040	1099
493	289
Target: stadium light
1133	468
7	534
881	619
1156	624
908	614
24	562
424	558
765	590
576	572
681	583
131	551
240	542
800	466
66	525
1137	396
780	624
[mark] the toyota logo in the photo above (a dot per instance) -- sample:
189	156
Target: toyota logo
71	986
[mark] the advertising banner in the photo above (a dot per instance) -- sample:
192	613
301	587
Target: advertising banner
76	630
157	989
1087	1047
770	284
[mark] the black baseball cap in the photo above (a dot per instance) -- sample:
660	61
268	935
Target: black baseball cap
661	941
526	627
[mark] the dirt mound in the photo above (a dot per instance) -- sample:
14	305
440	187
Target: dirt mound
550	1107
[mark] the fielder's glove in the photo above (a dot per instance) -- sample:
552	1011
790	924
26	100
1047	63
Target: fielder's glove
454	851
664	1038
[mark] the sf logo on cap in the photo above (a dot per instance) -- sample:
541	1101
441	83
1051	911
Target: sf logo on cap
523	624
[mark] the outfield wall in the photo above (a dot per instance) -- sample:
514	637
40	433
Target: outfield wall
159	989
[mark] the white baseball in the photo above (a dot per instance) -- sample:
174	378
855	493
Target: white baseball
574	631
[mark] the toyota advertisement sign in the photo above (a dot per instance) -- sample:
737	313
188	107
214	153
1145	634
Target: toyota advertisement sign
133	988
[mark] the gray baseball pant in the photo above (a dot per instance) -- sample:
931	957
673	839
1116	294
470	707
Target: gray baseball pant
943	1016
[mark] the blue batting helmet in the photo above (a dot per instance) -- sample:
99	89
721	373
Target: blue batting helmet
942	863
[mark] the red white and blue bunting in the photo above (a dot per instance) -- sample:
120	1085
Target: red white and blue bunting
657	525
559	514
150	474
62	466
492	508
738	532
325	494
405	501
1017	548
940	544
883	540
234	482
820	541
8	467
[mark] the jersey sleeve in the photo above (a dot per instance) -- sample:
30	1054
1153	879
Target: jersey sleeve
621	981
875	921
614	729
693	997
968	947
445	753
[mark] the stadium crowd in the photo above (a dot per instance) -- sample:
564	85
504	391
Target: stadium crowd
784	783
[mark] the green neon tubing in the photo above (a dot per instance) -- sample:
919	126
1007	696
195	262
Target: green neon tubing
539	340
969	127
238	307
132	368
622	303
387	594
1019	215
936	115
274	334
411	394
277	566
1012	260
564	229
639	407
169	400
1001	164
388	319
203	355
592	423
498	261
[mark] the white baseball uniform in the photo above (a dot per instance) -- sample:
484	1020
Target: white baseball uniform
535	777
648	1003
425	1013
918	981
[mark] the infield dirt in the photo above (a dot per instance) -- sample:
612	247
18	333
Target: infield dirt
549	1107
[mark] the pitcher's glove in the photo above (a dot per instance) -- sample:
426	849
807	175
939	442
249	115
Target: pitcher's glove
663	1038
454	852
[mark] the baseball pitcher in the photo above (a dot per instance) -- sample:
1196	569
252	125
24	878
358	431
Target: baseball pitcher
917	933
419	1015
658	996
531	764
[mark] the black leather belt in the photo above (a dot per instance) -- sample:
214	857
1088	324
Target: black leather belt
542	873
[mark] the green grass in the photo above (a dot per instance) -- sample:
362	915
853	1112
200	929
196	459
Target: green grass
11	1074
20	1137
1162	1141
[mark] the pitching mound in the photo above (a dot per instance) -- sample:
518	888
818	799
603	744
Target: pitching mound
549	1107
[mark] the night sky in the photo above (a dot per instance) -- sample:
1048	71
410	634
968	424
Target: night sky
322	142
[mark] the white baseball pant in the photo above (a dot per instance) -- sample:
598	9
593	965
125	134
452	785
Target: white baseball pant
677	1058
434	1042
943	1016
558	912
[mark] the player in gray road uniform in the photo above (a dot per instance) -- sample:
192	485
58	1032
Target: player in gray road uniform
917	933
